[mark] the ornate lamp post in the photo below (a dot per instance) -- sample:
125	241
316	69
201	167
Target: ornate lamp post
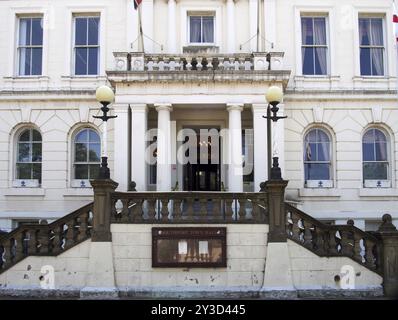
105	96
273	96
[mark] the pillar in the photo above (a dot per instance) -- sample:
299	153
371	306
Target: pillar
235	177
231	34
164	147
121	146
100	281
278	132
260	145
171	34
139	113
278	276
389	237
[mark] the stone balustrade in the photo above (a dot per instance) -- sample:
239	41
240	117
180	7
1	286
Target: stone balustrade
189	207
334	240
46	239
258	61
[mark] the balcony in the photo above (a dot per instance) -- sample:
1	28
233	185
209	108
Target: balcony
143	67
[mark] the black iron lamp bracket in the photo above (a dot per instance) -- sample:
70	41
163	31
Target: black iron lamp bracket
105	111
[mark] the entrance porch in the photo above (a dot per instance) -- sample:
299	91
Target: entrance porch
193	147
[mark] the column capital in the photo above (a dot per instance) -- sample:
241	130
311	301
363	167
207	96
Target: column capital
259	107
234	106
139	107
163	106
120	107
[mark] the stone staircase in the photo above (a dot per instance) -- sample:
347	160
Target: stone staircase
375	251
46	239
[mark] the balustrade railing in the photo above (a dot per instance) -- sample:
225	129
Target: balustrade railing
137	61
46	239
333	240
189	207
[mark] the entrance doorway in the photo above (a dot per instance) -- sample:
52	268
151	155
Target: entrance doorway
203	175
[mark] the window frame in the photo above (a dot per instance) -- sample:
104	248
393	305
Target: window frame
377	183
74	46
19	17
27	183
82	183
384	31
201	15
319	183
324	15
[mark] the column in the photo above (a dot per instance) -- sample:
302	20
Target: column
171	36
278	133
235	177
121	146
231	26
163	169
260	145
138	145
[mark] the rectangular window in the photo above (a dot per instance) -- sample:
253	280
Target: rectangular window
371	43
314	46
201	29
86	45
30	46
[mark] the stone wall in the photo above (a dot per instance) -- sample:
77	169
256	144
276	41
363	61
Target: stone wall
70	270
246	251
131	246
312	272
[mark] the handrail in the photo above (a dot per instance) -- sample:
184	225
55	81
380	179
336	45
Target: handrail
333	240
189	207
46	239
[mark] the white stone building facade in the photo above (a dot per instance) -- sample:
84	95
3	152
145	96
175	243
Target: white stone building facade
336	62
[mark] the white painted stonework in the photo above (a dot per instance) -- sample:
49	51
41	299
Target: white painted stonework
57	103
312	272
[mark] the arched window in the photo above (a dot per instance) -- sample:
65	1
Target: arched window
28	158
375	158
87	155
317	159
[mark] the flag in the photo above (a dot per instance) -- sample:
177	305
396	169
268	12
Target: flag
395	21
137	3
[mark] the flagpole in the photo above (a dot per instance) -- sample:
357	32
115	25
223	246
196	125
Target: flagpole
140	27
258	25
395	31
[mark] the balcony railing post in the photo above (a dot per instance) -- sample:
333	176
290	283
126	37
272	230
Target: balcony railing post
276	207
102	209
389	256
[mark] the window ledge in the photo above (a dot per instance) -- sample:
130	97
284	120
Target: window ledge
17	83
30	192
319	192
310	82
26	78
375	82
79	192
83	82
378	192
